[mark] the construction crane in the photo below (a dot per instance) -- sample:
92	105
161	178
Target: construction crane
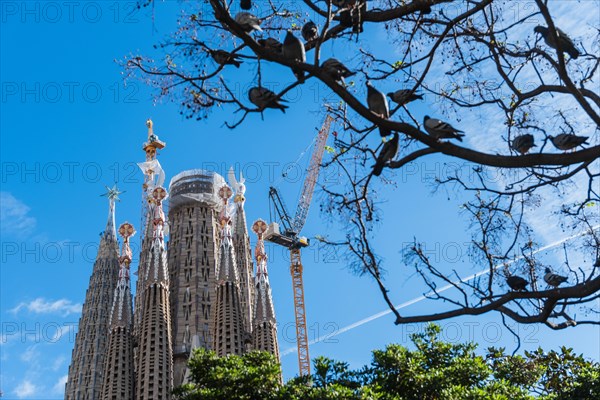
289	237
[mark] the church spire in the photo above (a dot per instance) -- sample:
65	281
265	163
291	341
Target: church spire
119	370
154	176
264	323
228	319
227	270
243	251
84	381
154	372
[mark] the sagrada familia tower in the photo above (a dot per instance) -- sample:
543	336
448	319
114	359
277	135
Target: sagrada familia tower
197	290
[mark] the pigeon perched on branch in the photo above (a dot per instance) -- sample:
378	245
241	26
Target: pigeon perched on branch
223	57
387	153
378	104
553	279
522	143
271	44
248	22
566	43
404	96
264	98
566	141
517	283
293	49
310	31
441	130
335	69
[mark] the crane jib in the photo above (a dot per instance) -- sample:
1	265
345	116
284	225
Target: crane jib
291	239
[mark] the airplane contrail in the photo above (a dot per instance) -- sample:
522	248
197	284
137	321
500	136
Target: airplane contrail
423	297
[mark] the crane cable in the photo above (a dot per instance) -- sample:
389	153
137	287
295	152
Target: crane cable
284	173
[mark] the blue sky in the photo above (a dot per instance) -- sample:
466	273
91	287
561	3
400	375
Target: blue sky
69	127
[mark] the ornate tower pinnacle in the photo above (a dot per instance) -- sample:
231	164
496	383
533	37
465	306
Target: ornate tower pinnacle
121	314
238	186
264	324
113	196
153	173
226	270
243	252
228	318
86	371
154	176
119	375
154	373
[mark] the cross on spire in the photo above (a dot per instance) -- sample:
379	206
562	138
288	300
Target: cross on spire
113	196
112	193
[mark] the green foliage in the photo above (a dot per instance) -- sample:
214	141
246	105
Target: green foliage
255	375
433	370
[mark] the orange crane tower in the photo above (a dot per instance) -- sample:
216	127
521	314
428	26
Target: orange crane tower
291	239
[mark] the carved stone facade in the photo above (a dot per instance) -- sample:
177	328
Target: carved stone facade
192	254
200	292
86	372
119	372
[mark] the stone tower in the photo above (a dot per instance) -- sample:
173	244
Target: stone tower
243	254
264	334
192	250
154	364
228	319
84	381
119	373
199	293
154	176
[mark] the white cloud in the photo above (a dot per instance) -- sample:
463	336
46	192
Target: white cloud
25	389
59	387
58	362
30	355
14	216
43	306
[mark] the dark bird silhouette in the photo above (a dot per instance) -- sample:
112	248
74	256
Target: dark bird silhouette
553	279
566	141
352	14
335	69
378	104
245	4
293	49
264	98
566	43
517	283
248	22
441	130
310	31
271	43
522	143
404	96
387	154
223	57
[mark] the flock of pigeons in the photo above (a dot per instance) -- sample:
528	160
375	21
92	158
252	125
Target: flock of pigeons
518	283
293	49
